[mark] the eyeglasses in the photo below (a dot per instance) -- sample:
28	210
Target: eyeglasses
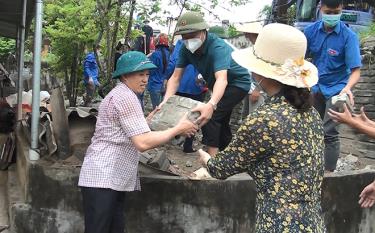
141	64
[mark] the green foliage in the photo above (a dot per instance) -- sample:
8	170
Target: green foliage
69	23
219	31
232	31
6	46
74	26
291	14
266	12
369	32
149	10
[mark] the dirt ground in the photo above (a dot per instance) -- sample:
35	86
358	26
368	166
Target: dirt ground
185	161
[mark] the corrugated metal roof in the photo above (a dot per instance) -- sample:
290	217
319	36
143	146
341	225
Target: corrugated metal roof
11	16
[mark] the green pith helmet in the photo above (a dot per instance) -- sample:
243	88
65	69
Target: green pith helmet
190	22
130	62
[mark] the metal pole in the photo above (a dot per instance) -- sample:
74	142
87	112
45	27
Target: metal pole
34	155
21	53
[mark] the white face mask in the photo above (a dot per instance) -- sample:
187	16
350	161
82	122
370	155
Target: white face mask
193	44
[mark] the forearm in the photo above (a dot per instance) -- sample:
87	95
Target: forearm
234	159
354	78
173	83
215	172
370	122
225	164
218	90
364	128
172	87
156	138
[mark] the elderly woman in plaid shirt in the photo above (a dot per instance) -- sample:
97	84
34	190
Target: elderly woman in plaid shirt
110	167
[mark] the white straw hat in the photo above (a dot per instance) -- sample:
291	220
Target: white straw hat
279	54
254	27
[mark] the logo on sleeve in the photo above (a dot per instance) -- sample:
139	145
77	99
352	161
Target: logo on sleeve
333	52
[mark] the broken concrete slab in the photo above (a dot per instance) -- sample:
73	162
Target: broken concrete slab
60	124
172	111
160	161
145	157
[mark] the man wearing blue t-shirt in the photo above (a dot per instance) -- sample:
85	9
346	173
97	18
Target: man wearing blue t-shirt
334	49
228	81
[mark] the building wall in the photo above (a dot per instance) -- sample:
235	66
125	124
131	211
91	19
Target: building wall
353	142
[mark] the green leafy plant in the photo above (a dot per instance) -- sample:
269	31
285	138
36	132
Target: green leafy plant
7	46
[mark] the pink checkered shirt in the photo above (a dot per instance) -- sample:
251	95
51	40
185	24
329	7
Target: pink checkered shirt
111	160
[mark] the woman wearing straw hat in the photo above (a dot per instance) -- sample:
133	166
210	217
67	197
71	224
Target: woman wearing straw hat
280	145
110	167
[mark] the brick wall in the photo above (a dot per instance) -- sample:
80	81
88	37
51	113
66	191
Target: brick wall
353	142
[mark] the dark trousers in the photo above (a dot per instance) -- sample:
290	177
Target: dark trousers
188	144
217	132
104	210
331	133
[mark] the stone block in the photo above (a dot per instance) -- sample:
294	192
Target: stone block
172	111
160	161
145	158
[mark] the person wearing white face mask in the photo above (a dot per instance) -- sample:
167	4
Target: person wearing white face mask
334	49
256	95
228	81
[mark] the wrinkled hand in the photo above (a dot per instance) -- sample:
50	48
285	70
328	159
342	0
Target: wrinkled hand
254	96
206	111
187	127
344	117
367	196
350	94
200	174
203	157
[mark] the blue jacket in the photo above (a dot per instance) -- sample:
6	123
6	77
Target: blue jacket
188	83
90	69
155	81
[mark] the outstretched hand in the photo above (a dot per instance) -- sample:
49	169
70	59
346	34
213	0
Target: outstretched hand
341	117
367	196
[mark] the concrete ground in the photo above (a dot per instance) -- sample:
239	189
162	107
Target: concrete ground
4	217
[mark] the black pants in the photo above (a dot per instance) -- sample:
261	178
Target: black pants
217	132
188	144
104	210
331	132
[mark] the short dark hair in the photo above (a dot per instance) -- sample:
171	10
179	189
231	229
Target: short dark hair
331	3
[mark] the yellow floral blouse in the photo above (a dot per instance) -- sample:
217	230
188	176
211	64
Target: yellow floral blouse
282	150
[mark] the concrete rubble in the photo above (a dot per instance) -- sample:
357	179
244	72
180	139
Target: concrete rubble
348	163
172	111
